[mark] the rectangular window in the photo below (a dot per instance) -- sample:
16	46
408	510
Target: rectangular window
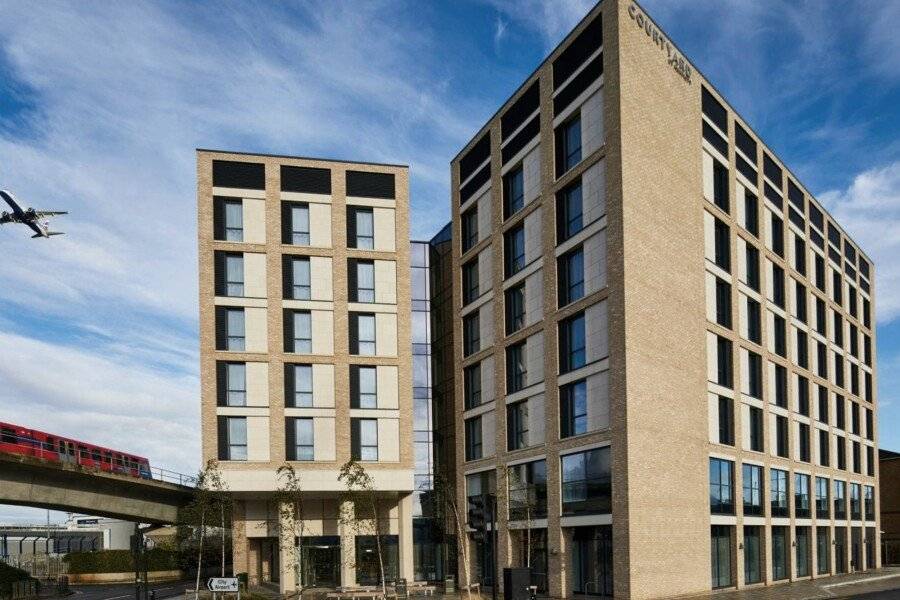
234	384
823	504
824	449
869	500
517	425
234	221
573	409
571	276
755	376
777	236
803	445
838	329
363	386
298	336
756	429
823	404
724	368
841	444
800	255
802	551
297	278
723	303
800	294
753	267
753	556
778	492
781	386
721	486
722	246
803	395
472	385
469	223
572	343
754	321
527	491
473	438
780	336
840	419
513	192
361	281
720	555
299	386
364	439
801	496
823	551
857	466
854	418
778	286
781	436
586	484
237	438
820	316
298	232
821	360
568	145
855	504
515	308
516	371
470	279
802	349
819	272
753	490
569	212
234	330
840	500
514	246
301	447
836	287
362	334
234	274
751	213
726	421
360	228
471	333
720	185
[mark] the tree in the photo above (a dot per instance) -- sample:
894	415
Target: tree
445	501
210	497
361	492
289	499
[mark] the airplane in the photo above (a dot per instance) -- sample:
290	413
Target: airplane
36	219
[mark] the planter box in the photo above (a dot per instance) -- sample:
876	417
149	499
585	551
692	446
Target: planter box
94	578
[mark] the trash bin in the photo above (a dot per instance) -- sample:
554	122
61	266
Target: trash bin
400	588
449	584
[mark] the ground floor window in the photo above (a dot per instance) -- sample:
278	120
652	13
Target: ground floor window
753	557
823	551
870	547
856	548
802	551
320	560
367	563
720	553
428	550
484	560
779	552
840	549
533	545
592	561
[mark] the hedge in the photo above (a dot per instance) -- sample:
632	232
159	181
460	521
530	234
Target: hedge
119	561
8	576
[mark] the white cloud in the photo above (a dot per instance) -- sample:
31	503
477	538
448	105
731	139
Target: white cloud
552	19
869	210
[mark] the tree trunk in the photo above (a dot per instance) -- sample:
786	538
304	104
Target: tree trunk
463	545
200	553
222	510
378	546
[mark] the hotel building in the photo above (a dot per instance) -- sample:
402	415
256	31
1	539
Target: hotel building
663	345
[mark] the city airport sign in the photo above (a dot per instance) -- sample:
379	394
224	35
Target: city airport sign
673	57
222	584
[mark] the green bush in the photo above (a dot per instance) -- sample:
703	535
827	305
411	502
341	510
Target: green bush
8	576
119	561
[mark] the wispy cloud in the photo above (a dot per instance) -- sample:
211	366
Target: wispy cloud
551	19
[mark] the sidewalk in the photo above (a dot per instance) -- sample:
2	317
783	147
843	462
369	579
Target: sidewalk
839	586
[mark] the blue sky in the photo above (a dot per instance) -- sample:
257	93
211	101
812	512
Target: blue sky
102	105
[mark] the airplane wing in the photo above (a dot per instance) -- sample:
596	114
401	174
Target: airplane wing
50	213
37	230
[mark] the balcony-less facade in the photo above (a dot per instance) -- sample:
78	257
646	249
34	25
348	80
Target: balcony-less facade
306	358
663	345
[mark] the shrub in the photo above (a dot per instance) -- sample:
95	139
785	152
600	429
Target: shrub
119	561
8	576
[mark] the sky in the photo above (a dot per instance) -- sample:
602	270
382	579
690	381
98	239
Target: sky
102	105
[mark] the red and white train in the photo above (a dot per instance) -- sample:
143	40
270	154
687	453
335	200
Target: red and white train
15	439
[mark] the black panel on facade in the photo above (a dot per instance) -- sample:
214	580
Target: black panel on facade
746	170
796	218
370	185
834	236
713	109
521	109
863	267
745	142
466	191
773	195
587	42
525	135
715	138
305	179
479	153
817	239
582	81
816	217
243	175
850	253
771	170
795	195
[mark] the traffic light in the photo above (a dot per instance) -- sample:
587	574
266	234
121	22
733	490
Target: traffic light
476	513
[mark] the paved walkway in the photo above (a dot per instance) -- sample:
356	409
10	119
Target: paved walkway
840	586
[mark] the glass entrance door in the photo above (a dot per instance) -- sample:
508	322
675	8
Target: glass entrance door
320	561
840	549
592	568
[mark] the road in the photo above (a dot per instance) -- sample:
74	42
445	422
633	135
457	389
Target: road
126	591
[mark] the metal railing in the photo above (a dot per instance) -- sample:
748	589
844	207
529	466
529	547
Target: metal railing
40	566
89	460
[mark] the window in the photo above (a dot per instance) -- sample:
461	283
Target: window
803	445
754	321
777	236
517	425
569	212
824	449
360	228
236	438
364	439
298	225
819	272
840	419
780	334
572	353
514	244
869	500
781	436
362	334
723	303
234	274
854	303
802	349
234	220
836	287
857	466
751	213
838	329
299	385
528	491
854	418
820	316
586	485
367	565
722	246
870	425
755	376
516	370
721	486
470	281
472	385
855	504
471	333
720	185
753	558
803	396
840	500
800	296
821	360
823	505
298	334
513	192
571	276
234	329
753	490
297	278
778	285
801	541
781	385
361	281
568	145
473	438
515	308
363	386
823	551
841	444
720	555
232	383
778	492
725	375
823	404
801	496
573	409
300	441
469	221
799	255
753	267
756	429
726	421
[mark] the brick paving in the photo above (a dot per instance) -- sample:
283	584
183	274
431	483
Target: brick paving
840	586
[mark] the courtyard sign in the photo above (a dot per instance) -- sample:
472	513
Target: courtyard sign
674	58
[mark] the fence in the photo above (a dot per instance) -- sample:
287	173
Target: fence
39	566
19	590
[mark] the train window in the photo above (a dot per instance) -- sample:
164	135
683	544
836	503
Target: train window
50	444
107	457
71	449
7	436
118	459
83	452
95	455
